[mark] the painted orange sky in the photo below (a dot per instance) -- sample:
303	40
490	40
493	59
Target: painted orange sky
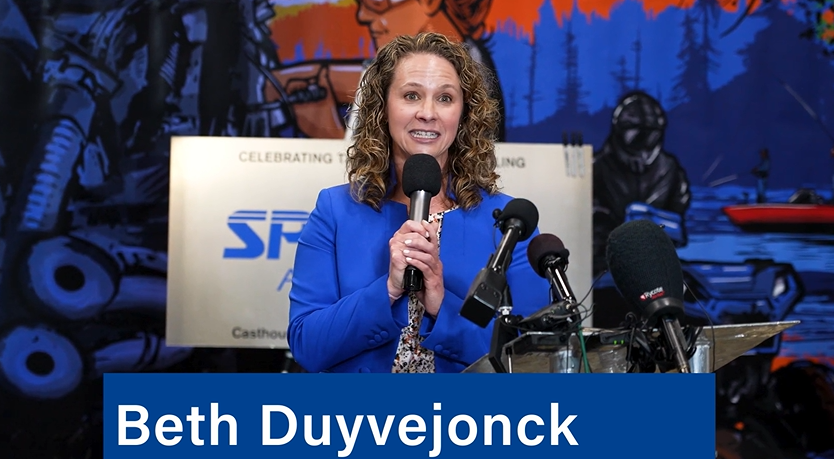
333	25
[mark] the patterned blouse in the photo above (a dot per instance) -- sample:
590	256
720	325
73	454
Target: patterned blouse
411	356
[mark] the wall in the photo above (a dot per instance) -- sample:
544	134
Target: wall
678	99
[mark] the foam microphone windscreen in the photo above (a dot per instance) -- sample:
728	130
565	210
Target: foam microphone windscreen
421	172
542	248
525	212
644	264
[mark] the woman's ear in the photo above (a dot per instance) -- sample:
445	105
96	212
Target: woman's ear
431	6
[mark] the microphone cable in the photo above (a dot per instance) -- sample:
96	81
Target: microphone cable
584	316
691	334
711	326
590	310
585	312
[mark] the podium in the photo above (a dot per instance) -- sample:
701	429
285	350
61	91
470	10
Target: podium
605	351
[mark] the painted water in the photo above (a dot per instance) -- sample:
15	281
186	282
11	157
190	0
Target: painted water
712	237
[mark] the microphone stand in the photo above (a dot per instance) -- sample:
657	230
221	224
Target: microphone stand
503	331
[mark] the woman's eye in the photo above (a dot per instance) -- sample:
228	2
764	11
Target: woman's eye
445	98
411	96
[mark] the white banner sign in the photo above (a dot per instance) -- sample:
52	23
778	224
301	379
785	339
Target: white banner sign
237	206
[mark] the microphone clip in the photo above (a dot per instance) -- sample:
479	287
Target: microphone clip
505	220
650	347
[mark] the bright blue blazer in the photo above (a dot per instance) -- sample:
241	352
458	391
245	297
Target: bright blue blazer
341	319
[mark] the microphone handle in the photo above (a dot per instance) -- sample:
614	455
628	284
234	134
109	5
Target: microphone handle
559	283
504	253
674	336
420	201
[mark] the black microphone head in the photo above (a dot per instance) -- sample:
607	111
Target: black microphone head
543	249
646	269
522	210
421	172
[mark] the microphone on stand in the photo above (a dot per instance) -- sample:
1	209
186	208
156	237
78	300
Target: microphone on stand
489	291
647	271
421	182
549	259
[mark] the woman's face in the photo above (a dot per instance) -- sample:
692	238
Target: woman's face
423	107
388	18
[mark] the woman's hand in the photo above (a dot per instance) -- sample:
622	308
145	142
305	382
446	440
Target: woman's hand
416	244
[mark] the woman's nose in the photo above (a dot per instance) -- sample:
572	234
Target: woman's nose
427	110
365	15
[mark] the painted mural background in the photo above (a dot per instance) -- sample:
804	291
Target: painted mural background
714	117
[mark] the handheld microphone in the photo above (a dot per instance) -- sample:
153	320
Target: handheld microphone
421	182
647	272
517	221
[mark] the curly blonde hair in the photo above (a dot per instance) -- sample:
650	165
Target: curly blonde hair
471	164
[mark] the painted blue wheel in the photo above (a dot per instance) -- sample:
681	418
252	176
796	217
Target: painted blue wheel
70	278
39	363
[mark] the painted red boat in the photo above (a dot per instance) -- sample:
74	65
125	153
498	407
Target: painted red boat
782	218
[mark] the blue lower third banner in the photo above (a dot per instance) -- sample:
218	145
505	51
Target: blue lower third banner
409	416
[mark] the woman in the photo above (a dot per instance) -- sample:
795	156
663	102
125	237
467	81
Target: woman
348	311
